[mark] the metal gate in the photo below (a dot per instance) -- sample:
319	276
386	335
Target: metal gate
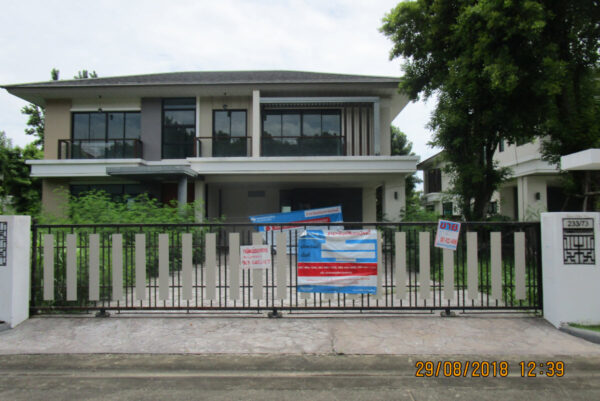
196	267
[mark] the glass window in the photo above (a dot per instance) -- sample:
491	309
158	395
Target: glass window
81	126
238	123
311	124
447	209
180	117
331	123
116	125
221	121
179	104
291	124
179	128
98	126
229	123
272	125
132	125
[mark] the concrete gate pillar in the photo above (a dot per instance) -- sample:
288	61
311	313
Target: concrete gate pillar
571	267
15	246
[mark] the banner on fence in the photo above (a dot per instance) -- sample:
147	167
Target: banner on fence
295	219
447	234
255	257
338	261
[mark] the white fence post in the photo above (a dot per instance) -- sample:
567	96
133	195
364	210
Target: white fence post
15	265
571	267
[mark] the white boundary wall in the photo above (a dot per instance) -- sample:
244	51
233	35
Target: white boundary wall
14	276
572	289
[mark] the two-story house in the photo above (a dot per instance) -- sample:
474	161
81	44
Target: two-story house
533	186
243	142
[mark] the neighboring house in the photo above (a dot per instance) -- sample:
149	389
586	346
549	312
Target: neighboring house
436	186
243	142
533	186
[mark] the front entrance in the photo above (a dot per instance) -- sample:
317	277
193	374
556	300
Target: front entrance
314	198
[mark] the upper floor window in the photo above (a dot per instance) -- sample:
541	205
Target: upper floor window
433	180
105	135
229	133
106	125
302	133
179	128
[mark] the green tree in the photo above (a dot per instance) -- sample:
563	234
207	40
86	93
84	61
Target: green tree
19	193
84	74
496	68
401	146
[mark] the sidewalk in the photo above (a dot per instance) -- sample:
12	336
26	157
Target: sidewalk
308	358
362	335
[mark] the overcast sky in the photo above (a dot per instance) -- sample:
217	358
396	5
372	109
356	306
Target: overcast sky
136	37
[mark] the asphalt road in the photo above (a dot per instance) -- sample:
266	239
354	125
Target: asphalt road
283	377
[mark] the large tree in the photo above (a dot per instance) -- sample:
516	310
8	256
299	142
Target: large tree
494	69
401	146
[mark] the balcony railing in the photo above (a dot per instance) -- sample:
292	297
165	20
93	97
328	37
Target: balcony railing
303	146
208	146
100	149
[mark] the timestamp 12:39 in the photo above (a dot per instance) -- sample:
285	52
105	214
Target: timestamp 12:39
487	369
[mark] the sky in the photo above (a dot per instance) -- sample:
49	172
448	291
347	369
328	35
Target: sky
146	36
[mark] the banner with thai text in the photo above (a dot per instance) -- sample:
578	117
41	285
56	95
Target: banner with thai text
338	261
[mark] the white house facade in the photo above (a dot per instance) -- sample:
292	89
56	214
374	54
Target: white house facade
242	142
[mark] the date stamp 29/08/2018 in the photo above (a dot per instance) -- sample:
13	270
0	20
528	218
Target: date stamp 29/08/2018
488	369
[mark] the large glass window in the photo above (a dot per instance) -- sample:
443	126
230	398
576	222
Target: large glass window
229	133
302	133
179	128
105	135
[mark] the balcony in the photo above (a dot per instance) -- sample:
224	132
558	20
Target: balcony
223	146
100	149
303	146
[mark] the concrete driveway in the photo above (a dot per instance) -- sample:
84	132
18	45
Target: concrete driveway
294	358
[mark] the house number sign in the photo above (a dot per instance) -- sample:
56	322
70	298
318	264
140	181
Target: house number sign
3	242
578	241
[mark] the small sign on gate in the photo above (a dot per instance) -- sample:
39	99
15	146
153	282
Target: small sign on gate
447	235
255	257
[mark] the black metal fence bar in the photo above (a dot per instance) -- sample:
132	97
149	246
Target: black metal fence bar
388	298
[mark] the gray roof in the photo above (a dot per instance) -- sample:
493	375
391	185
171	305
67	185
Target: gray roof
212	78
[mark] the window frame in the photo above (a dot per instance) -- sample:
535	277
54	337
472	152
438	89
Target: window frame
106	113
230	111
301	112
191	145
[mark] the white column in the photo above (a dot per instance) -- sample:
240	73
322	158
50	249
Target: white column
571	267
15	245
256	123
394	199
200	195
369	204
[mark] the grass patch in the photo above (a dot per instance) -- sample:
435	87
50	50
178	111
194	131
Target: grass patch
593	327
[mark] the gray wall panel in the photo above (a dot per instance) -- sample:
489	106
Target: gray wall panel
151	124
